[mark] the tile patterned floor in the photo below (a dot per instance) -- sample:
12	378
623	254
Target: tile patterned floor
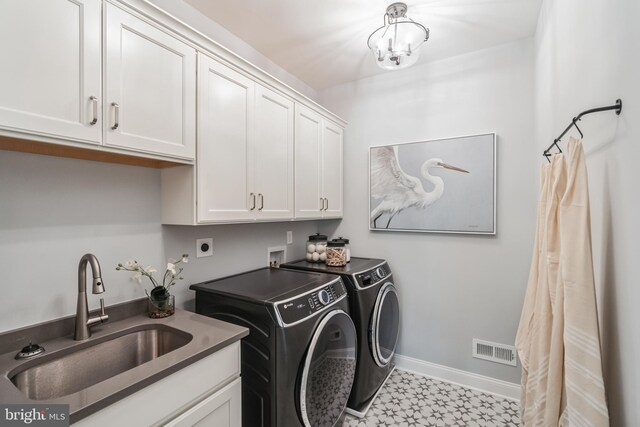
329	393
412	400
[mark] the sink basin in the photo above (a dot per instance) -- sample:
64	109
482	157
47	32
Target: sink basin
85	365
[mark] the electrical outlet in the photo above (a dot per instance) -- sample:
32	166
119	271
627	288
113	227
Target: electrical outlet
204	247
289	237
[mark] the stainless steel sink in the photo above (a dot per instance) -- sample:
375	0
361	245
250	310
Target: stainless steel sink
67	372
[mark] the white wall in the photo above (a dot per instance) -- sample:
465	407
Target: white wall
236	248
193	17
586	55
53	211
452	287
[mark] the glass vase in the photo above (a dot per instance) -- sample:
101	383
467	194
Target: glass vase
160	307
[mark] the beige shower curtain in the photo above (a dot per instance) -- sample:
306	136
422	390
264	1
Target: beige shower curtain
558	341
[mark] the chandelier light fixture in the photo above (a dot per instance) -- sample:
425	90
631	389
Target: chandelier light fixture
397	43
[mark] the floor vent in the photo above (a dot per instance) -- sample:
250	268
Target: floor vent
494	352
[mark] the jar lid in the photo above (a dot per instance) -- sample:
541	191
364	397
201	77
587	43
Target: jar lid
318	237
342	239
335	243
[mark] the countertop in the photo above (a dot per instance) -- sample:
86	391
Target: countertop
209	336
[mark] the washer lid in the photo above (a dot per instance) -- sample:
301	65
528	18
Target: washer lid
265	284
355	265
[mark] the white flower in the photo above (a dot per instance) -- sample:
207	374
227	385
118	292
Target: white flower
131	264
140	271
171	267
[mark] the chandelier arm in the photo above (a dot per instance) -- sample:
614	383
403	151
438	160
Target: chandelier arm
392	47
425	29
371	35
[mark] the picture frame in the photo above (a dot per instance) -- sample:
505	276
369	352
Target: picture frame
445	185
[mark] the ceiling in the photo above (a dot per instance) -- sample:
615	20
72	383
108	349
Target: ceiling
323	42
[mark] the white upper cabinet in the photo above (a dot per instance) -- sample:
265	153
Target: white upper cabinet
273	161
318	163
332	179
245	148
122	77
225	143
309	199
50	72
52	86
150	88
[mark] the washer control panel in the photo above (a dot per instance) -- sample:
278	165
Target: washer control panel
323	297
306	305
373	276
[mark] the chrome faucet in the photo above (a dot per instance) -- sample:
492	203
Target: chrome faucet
83	322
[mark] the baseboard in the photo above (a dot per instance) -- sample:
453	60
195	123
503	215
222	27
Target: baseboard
456	376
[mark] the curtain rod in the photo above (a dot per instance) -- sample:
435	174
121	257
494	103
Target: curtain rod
617	106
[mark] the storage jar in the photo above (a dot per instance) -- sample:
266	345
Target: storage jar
336	254
347	247
317	248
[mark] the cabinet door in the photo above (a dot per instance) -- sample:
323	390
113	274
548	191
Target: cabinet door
307	163
273	155
225	143
150	90
332	169
173	395
51	68
221	409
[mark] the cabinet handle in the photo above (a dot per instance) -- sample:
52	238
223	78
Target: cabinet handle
327	204
253	197
94	101
321	203
116	112
261	201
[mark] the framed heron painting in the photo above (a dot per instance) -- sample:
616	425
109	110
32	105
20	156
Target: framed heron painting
441	186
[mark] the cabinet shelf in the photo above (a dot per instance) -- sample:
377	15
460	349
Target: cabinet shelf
83	153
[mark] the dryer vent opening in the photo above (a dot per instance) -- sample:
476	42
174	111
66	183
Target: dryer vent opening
494	352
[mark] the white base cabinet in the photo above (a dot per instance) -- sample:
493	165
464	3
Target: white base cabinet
220	409
205	393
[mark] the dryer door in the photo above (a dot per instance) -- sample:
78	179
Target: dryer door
384	325
328	371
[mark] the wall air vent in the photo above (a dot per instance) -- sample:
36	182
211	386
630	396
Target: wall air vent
494	352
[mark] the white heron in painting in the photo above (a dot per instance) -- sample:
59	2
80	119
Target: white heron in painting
396	189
